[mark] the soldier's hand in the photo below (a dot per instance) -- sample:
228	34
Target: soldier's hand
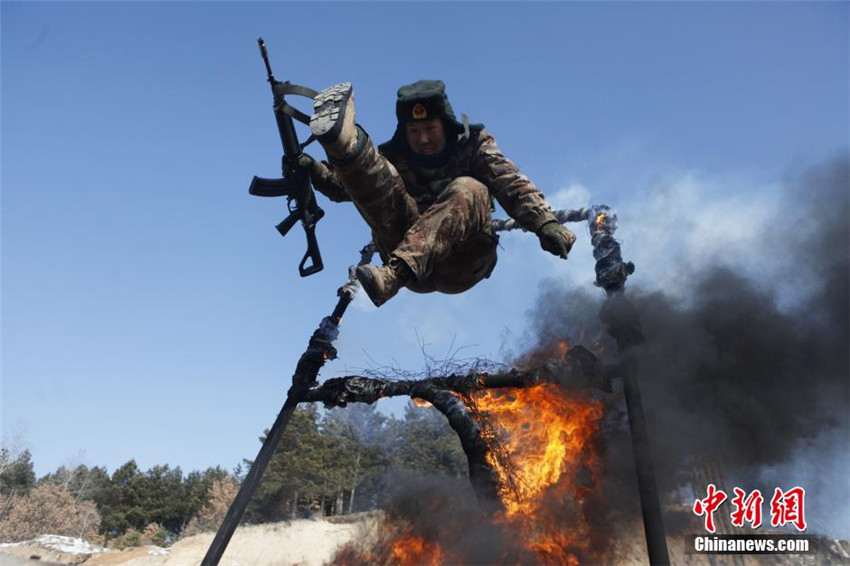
556	239
317	169
306	161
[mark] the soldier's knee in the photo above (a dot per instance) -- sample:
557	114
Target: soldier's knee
469	188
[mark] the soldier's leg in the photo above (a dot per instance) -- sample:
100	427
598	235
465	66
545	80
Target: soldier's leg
378	192
449	248
451	245
372	182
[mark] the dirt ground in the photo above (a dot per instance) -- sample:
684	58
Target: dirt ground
301	543
313	543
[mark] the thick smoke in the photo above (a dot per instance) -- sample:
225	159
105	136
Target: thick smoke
752	373
440	509
442	513
747	366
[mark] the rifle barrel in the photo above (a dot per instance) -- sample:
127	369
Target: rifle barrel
265	55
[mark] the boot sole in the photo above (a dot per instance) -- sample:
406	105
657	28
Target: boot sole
329	112
367	281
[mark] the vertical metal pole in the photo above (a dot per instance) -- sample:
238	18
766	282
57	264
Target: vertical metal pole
623	324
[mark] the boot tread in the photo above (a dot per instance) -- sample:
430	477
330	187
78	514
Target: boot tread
328	111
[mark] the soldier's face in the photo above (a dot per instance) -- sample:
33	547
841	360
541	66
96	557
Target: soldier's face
427	137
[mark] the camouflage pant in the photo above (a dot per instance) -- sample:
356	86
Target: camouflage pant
450	245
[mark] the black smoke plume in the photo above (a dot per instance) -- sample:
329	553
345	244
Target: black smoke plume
730	374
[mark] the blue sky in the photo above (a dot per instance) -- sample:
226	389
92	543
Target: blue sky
151	311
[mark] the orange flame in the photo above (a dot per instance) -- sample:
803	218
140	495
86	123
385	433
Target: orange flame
542	441
548	436
413	550
541	355
600	219
421	402
563	348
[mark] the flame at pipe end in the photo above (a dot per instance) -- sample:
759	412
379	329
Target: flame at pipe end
600	219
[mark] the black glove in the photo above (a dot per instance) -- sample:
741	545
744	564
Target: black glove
316	169
307	161
556	239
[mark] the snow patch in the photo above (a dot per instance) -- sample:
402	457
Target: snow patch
66	545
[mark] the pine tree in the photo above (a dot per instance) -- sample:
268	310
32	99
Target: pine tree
360	460
296	474
119	501
423	442
17	476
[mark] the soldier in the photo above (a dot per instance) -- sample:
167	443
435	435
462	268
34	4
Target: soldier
427	194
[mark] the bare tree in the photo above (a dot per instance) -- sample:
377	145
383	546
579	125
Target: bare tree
48	509
210	516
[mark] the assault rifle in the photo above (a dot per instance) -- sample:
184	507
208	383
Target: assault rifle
295	183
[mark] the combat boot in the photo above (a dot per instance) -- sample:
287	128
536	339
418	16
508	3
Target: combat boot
333	124
382	283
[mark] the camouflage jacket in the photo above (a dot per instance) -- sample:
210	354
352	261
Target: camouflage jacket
477	156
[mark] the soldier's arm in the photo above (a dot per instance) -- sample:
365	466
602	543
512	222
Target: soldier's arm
515	192
325	180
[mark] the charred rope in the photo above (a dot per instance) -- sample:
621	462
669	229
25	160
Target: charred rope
580	369
611	271
482	476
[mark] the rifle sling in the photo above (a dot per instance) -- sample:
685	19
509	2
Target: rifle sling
289	88
295	113
284	88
